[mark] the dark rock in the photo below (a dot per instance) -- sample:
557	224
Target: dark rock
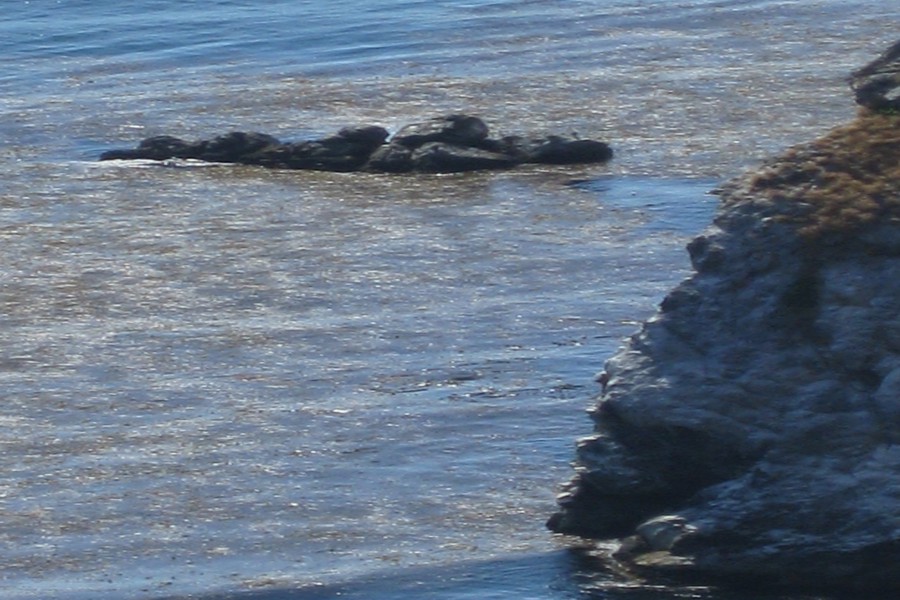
367	136
877	85
449	144
520	148
273	157
159	147
437	157
555	150
164	146
391	158
347	151
234	147
461	130
122	154
560	151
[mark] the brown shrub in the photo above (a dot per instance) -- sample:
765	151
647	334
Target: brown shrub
846	180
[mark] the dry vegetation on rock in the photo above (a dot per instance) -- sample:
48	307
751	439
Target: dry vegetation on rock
842	182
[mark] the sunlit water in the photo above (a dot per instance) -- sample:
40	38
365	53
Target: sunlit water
226	380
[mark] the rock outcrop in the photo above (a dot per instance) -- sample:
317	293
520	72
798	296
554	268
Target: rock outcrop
877	85
751	428
449	144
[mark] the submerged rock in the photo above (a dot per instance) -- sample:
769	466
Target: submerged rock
453	143
751	428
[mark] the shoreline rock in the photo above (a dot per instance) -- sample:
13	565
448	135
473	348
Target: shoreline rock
450	144
876	84
750	431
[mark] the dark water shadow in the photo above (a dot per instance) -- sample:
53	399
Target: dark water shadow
571	574
664	205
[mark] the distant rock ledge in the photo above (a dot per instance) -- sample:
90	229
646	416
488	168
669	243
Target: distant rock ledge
448	144
750	431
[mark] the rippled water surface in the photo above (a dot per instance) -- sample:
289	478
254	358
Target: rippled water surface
226	381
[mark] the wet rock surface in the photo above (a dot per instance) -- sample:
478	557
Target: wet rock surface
877	85
751	429
449	144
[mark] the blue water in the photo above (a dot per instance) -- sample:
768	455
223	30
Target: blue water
232	382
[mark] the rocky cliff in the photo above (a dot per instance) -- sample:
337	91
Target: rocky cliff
751	429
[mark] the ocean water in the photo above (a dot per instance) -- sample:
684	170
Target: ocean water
228	382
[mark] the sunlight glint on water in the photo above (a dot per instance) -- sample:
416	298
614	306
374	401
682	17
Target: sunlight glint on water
223	379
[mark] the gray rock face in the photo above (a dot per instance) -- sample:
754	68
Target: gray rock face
752	427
